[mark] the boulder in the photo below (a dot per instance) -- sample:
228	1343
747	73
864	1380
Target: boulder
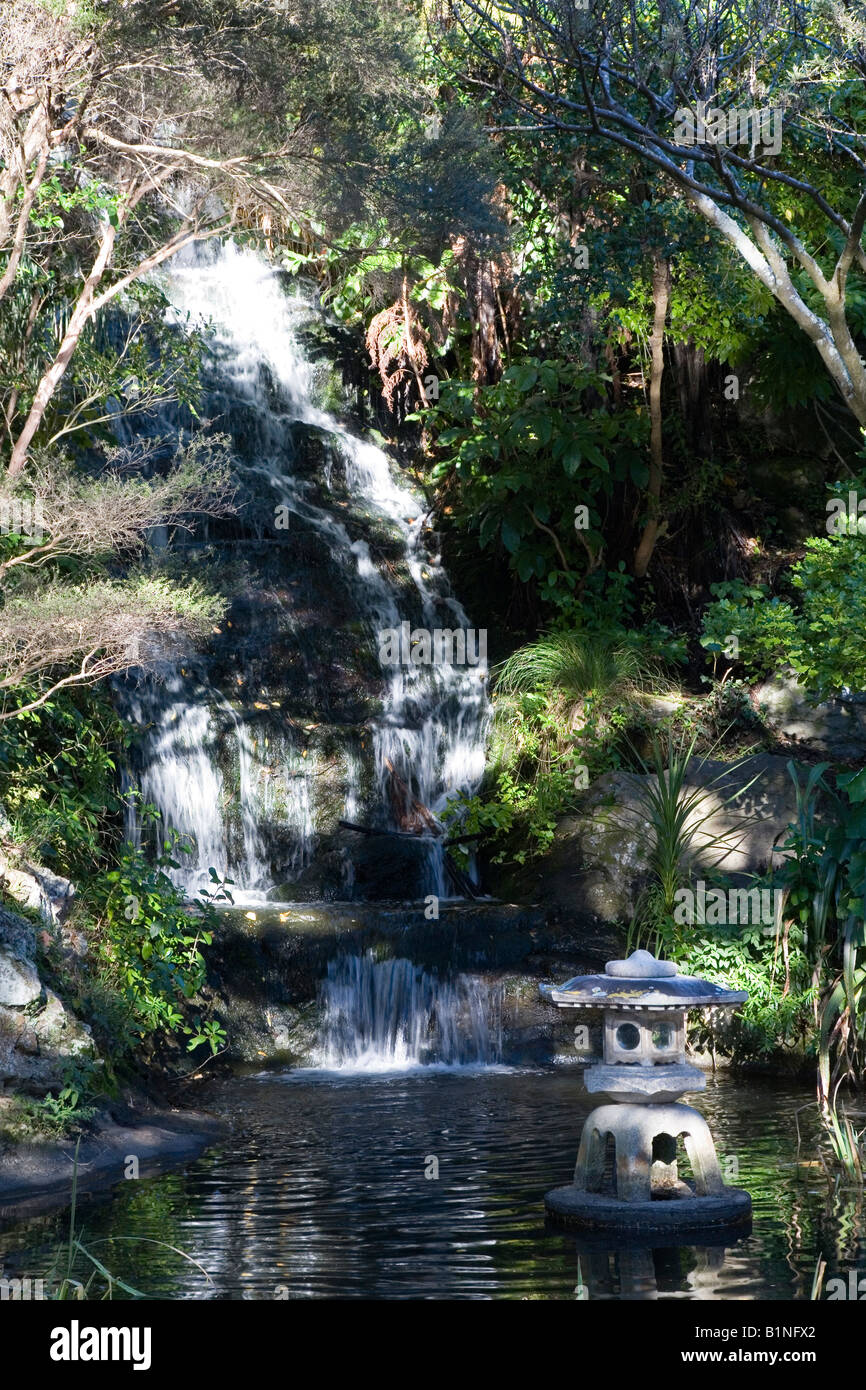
17	936
19	980
39	1034
834	728
39	888
36	1047
599	861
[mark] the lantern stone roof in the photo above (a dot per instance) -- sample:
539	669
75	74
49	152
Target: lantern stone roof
641	982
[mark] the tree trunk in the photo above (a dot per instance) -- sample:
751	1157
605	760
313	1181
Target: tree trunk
481	279
653	527
89	304
52	378
832	339
691	377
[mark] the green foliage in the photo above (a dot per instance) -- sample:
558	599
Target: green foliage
560	704
831	583
209	1031
765	628
152	944
779	1013
673	816
824	878
58	766
523	454
64	1109
595	103
574	668
58	194
526	791
132	363
828	857
362	270
713	304
724	716
74	1257
770	963
819	637
57	1116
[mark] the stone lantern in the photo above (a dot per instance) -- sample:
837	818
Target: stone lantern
626	1174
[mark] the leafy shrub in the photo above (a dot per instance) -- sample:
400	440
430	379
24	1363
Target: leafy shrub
151	944
58	769
560	703
819	638
522	453
780	1008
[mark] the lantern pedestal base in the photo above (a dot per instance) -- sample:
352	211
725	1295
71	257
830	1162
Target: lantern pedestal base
595	1211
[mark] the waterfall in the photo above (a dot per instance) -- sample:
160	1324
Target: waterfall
392	1015
181	776
258	752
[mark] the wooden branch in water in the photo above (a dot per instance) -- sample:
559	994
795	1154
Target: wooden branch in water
407	834
461	880
376	830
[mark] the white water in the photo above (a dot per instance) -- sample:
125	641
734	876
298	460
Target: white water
391	1015
433	725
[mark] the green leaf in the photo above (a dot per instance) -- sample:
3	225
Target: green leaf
527	566
510	537
523	376
854	783
572	459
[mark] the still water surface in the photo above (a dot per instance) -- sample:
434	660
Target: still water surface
321	1192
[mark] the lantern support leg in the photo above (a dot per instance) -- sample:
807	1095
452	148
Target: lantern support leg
589	1168
701	1150
645	1146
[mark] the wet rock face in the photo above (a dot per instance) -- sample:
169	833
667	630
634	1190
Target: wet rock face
34	886
39	1035
19	980
348	867
291	719
835	728
265	969
598	864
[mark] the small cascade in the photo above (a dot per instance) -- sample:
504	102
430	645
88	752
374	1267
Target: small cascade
197	770
293	720
392	1015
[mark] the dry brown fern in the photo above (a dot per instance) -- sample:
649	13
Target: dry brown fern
397	344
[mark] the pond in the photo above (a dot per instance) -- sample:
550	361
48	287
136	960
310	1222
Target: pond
429	1184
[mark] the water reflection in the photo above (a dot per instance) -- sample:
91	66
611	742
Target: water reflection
327	1190
640	1272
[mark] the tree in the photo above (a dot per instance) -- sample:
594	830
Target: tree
128	130
630	73
58	631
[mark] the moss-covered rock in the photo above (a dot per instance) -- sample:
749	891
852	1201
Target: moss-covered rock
599	862
39	1034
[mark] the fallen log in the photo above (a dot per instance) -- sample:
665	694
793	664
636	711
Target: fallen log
461	880
376	830
407	834
409	813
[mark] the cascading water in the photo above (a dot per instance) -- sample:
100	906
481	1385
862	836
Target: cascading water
230	756
392	1015
181	776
